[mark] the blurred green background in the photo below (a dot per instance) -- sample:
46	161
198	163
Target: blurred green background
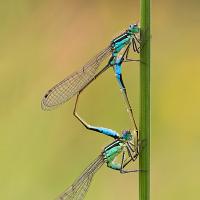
43	152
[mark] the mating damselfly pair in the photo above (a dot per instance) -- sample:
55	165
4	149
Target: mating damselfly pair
125	145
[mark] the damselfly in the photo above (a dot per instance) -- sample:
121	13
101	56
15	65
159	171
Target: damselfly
122	145
125	145
78	81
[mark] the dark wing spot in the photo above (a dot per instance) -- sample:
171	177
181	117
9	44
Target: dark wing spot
47	94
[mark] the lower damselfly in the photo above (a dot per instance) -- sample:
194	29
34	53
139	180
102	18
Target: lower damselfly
122	145
125	146
79	80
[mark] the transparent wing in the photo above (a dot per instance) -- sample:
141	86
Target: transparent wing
79	188
75	82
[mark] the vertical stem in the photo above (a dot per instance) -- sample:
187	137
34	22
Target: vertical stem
144	159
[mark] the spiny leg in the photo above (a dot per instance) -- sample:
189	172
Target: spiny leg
122	170
135	151
138	51
135	47
141	145
136	143
132	153
125	55
137	39
129	159
125	162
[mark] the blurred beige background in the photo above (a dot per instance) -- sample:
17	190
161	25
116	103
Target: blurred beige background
43	152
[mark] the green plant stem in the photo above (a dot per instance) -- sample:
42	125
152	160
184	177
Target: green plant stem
144	159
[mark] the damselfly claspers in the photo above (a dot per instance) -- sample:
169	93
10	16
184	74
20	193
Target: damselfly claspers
78	81
125	145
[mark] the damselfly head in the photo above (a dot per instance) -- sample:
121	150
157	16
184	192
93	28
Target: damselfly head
134	28
126	135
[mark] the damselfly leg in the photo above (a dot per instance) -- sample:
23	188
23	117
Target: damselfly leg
126	54
123	164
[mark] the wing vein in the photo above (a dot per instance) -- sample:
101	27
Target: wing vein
73	83
79	188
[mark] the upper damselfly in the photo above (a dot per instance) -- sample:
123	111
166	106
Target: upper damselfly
79	80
